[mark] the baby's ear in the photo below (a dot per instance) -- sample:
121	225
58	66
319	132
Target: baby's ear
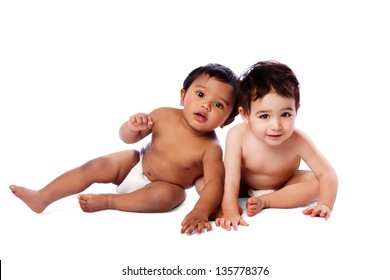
182	95
243	114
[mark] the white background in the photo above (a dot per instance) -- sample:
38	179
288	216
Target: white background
71	72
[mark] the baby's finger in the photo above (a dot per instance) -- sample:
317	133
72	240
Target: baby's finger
184	228
191	229
142	119
221	222
199	228
150	120
235	225
135	120
208	226
243	222
203	225
308	210
315	212
139	119
325	214
227	225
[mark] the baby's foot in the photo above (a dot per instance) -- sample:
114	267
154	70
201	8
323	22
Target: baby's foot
93	202
31	198
254	205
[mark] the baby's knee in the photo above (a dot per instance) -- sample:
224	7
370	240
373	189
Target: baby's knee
314	183
306	175
310	180
169	197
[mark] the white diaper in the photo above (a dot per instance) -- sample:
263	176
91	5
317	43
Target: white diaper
253	192
135	180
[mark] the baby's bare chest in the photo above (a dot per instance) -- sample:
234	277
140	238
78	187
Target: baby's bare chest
263	160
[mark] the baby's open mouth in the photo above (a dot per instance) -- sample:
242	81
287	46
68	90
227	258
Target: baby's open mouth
200	117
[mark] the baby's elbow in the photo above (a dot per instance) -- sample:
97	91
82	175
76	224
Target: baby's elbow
127	138
332	180
122	136
334	177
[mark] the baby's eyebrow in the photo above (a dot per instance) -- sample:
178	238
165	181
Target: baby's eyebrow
201	86
224	101
269	111
262	112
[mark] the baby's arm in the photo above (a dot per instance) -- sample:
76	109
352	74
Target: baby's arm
211	194
328	182
232	162
136	128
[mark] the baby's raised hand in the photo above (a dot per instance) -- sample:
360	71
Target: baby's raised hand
140	121
319	210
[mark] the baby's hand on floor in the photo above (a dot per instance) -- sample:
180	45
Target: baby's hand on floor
228	222
319	210
140	121
195	221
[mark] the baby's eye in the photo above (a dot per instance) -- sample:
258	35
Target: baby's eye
286	115
264	116
200	94
218	105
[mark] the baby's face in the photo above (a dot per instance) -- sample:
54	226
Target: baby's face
207	103
272	118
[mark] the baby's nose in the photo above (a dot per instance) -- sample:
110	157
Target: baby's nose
276	124
206	107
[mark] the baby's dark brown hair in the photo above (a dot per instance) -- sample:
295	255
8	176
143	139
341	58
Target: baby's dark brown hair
263	77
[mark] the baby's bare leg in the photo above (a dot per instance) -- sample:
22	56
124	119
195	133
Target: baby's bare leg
155	197
112	168
301	189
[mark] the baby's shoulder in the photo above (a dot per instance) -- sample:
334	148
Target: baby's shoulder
165	113
239	130
300	138
165	110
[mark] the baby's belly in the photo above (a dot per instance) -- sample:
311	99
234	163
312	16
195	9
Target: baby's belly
170	172
267	181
